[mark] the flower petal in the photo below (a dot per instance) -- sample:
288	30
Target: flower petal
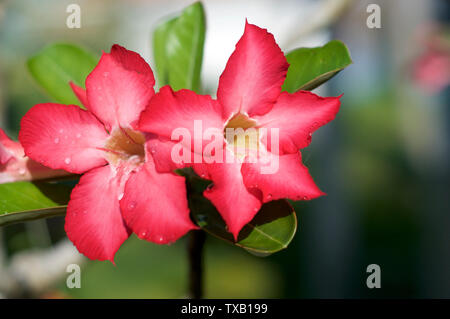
63	137
254	74
8	148
291	180
119	87
80	94
93	221
161	151
236	204
184	115
296	116
155	205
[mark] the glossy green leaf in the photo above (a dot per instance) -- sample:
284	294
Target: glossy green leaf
271	230
55	65
23	201
178	49
310	67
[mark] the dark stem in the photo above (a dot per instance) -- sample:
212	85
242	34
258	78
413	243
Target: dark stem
195	251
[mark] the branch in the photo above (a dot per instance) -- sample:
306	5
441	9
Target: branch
195	249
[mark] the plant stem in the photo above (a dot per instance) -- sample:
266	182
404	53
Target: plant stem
195	251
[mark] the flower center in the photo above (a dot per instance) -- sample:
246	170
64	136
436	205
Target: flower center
242	136
127	145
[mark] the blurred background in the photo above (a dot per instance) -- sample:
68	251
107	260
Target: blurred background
384	161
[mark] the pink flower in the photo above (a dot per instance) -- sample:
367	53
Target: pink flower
249	97
15	166
120	190
432	71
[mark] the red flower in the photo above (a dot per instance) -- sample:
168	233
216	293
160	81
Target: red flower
249	97
15	166
120	191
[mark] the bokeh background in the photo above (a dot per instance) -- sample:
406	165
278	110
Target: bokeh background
384	161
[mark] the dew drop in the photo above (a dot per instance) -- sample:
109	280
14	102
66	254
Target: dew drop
132	205
56	140
305	198
153	151
161	239
67	160
120	196
143	233
203	175
255	209
22	171
269	196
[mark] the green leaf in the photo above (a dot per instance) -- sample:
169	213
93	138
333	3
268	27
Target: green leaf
271	230
310	67
178	49
23	201
55	65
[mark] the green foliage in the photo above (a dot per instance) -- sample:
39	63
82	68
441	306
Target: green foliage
24	201
310	67
178	49
271	230
57	64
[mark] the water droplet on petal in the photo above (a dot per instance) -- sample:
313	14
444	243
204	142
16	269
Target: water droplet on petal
120	196
161	239
143	234
153	151
131	205
56	140
305	198
269	196
255	209
22	171
67	160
